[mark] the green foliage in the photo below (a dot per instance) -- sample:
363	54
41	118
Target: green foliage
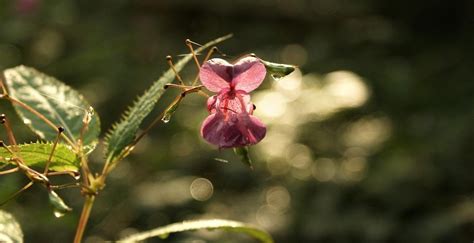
57	102
278	70
10	230
60	207
37	154
123	133
210	224
243	153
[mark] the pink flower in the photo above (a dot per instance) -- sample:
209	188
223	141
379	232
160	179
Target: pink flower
231	123
27	6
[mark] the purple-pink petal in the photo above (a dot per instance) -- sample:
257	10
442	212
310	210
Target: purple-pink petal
248	74
234	130
234	102
231	123
216	74
211	104
253	129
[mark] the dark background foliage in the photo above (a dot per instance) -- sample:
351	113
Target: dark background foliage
371	142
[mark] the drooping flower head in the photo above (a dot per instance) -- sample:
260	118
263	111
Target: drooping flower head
231	123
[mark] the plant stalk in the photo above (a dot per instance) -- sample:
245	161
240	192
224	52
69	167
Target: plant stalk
86	211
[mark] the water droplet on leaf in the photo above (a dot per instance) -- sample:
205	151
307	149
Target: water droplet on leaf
278	70
276	76
166	118
58	214
171	109
60	208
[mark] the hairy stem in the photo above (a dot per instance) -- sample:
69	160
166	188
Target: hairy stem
86	211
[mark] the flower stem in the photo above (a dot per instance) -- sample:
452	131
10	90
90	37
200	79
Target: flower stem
86	210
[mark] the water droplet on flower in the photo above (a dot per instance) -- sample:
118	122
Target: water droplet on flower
58	214
276	76
166	118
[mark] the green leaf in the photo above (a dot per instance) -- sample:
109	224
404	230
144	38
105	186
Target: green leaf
123	133
59	103
37	154
10	230
210	224
60	207
278	70
243	153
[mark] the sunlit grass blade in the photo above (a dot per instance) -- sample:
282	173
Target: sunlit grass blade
123	132
51	98
37	154
211	224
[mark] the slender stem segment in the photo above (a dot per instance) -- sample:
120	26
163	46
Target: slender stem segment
46	168
86	211
8	129
169	59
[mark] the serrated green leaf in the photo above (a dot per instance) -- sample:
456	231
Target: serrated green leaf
10	230
123	133
37	154
210	224
59	103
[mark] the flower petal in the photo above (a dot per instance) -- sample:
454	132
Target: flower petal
235	102
232	130
255	130
211	104
216	74
213	129
248	74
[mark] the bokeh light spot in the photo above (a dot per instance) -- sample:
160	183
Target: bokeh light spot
324	169
368	132
347	88
278	197
201	189
270	104
294	54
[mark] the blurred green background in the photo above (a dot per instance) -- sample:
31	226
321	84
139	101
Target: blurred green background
371	141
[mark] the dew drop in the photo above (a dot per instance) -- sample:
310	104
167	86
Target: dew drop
166	118
58	214
164	236
26	121
276	76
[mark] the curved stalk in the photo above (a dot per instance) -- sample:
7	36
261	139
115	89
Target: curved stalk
86	211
